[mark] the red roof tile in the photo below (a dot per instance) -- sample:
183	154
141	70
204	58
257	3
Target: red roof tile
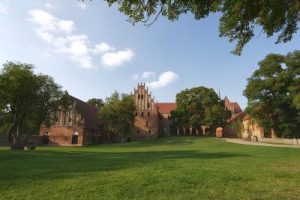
165	108
89	113
236	106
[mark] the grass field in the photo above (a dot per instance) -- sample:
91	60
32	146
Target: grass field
167	168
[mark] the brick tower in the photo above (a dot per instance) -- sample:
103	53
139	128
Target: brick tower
146	116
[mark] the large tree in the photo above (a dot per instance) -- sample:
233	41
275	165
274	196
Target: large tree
273	94
238	17
26	101
118	111
198	107
99	103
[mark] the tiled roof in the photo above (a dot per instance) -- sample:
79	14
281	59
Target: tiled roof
165	108
88	112
236	106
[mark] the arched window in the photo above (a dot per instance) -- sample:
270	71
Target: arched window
142	96
136	114
148	114
138	96
142	114
147	123
148	105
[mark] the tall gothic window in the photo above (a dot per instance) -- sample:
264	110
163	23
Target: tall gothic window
148	114
142	114
148	105
142	97
147	123
138	96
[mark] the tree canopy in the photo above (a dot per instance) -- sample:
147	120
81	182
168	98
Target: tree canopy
273	94
198	107
99	103
26	100
238	17
118	112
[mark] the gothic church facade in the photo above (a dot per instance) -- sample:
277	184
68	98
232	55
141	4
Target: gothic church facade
151	118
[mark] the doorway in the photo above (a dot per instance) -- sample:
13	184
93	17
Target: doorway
74	139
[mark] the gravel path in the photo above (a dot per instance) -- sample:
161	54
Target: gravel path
240	141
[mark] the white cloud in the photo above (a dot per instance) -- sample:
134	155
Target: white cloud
66	25
111	60
59	35
164	79
103	47
49	23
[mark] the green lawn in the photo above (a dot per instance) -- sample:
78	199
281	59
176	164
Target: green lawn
167	168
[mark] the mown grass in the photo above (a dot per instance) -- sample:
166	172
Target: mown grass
167	168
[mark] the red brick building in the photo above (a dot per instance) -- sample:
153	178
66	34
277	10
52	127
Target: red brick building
151	119
79	125
234	107
164	110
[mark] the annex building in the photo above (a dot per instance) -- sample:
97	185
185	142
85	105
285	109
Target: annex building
78	125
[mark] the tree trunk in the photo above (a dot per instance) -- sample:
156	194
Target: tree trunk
16	144
10	132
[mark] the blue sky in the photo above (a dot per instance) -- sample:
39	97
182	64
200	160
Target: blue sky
91	50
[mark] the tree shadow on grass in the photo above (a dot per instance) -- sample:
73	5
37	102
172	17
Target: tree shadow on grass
18	168
174	140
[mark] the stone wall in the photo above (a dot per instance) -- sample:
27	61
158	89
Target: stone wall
279	141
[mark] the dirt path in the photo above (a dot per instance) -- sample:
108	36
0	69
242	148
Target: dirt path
240	141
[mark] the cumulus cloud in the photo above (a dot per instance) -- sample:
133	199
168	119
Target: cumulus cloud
164	79
60	35
111	60
103	47
49	24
